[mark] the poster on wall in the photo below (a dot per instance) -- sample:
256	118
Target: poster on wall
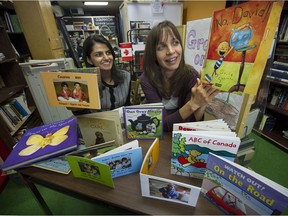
197	34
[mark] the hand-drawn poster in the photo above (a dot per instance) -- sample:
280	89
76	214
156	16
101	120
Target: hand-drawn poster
197	34
239	44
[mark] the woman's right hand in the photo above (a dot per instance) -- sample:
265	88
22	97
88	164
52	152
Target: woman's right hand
201	95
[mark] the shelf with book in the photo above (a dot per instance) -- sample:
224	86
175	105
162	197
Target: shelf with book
12	83
272	97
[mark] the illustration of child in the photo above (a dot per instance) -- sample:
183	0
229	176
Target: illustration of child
169	191
126	162
222	50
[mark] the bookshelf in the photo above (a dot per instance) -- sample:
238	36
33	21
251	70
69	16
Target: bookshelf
13	83
272	95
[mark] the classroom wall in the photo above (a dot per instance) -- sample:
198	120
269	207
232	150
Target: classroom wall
193	10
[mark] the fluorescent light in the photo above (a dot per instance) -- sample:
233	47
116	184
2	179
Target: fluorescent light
95	3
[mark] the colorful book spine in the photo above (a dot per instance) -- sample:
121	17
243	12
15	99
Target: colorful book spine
19	107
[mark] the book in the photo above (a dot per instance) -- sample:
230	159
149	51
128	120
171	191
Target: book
19	103
275	96
43	142
190	150
10	113
277	79
61	165
155	187
280	65
238	190
8	121
123	160
58	164
101	127
215	125
279	73
197	34
143	122
238	46
74	88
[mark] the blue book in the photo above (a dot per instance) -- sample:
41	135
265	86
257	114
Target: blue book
123	160
19	107
279	73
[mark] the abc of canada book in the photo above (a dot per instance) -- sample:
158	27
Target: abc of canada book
239	44
238	190
156	187
116	162
43	142
74	88
190	150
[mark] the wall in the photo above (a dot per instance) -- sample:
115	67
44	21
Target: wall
200	9
269	160
141	11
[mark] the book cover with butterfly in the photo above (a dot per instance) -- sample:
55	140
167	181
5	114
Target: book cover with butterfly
43	142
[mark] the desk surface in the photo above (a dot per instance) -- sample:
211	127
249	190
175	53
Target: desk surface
127	191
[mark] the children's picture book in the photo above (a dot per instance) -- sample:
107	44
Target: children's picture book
162	188
43	142
143	122
103	167
239	191
239	44
57	164
101	127
190	150
197	34
74	88
215	125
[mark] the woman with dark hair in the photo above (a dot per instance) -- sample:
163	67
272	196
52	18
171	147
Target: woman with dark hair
168	79
98	52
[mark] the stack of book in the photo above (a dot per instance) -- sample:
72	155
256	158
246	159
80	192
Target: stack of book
279	97
14	111
279	71
192	143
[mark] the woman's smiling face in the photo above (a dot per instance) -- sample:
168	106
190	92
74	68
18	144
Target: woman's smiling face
169	52
101	57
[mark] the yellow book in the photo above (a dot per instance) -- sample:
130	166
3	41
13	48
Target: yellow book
74	88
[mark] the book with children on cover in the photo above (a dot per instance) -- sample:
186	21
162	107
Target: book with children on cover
43	142
155	187
190	149
239	45
74	88
102	168
237	190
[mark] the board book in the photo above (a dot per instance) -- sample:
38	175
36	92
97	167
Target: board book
190	149
73	88
116	162
237	190
155	187
143	122
239	44
43	142
100	127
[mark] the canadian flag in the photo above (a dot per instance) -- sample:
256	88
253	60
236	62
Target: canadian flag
126	51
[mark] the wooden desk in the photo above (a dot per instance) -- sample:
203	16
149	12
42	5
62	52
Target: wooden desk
127	192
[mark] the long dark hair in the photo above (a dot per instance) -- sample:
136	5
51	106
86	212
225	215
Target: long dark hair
88	48
151	67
